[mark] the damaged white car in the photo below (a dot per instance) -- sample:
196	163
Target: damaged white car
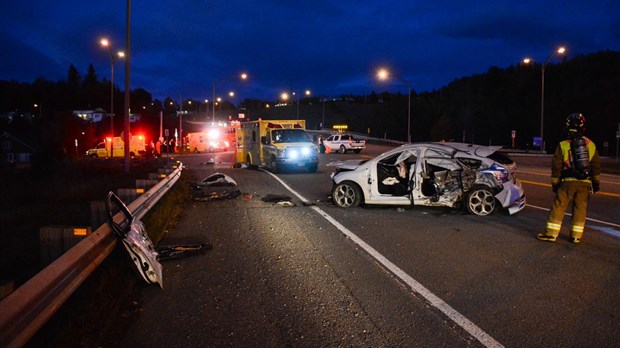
431	174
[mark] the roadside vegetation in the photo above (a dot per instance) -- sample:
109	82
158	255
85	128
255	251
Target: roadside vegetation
114	288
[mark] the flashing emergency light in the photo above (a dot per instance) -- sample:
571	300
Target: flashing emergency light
213	134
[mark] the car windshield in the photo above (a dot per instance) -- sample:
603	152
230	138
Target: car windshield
289	136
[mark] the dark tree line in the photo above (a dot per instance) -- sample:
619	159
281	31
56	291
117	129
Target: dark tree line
486	108
483	108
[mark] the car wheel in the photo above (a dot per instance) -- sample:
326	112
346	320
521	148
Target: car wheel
480	201
342	149
347	194
273	166
248	163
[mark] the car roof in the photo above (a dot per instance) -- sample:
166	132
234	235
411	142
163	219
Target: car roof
453	148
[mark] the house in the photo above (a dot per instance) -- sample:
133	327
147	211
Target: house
94	116
14	151
97	115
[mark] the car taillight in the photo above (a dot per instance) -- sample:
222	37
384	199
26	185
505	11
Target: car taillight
500	173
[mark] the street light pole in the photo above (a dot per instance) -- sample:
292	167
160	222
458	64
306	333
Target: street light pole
306	93
213	118
126	132
242	76
560	50
297	105
384	74
408	112
106	43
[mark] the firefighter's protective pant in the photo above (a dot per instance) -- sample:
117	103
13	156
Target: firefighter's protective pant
577	192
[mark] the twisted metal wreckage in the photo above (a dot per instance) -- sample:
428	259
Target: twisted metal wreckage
145	257
140	248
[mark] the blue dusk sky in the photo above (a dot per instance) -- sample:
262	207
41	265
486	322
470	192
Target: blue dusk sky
181	49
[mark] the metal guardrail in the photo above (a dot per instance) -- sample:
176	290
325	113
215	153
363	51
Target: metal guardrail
30	306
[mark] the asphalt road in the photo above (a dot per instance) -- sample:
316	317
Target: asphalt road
315	275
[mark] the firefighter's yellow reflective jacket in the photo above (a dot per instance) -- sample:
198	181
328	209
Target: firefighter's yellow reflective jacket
562	167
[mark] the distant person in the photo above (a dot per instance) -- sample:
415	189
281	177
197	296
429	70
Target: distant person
575	174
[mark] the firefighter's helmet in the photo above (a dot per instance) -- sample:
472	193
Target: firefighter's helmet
575	123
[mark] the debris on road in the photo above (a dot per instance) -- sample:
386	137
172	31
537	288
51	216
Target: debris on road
286	204
215	187
169	252
281	200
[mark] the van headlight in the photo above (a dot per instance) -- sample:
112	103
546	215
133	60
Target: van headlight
292	153
298	152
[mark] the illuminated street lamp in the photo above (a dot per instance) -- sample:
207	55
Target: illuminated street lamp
383	75
120	54
40	107
242	76
559	51
285	96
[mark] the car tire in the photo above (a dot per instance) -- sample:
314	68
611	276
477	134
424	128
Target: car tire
248	163
347	194
480	201
273	166
342	149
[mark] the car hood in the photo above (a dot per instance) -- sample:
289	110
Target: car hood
348	164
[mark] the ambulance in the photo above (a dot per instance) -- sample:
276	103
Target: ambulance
216	137
137	146
277	145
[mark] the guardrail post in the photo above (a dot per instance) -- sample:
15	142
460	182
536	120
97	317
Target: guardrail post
145	183
56	240
24	311
127	195
97	214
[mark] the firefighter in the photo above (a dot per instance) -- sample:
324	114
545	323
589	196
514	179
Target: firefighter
575	174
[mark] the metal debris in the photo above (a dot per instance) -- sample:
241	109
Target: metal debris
216	186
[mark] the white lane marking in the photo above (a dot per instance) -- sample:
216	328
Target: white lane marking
602	229
438	303
613	177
